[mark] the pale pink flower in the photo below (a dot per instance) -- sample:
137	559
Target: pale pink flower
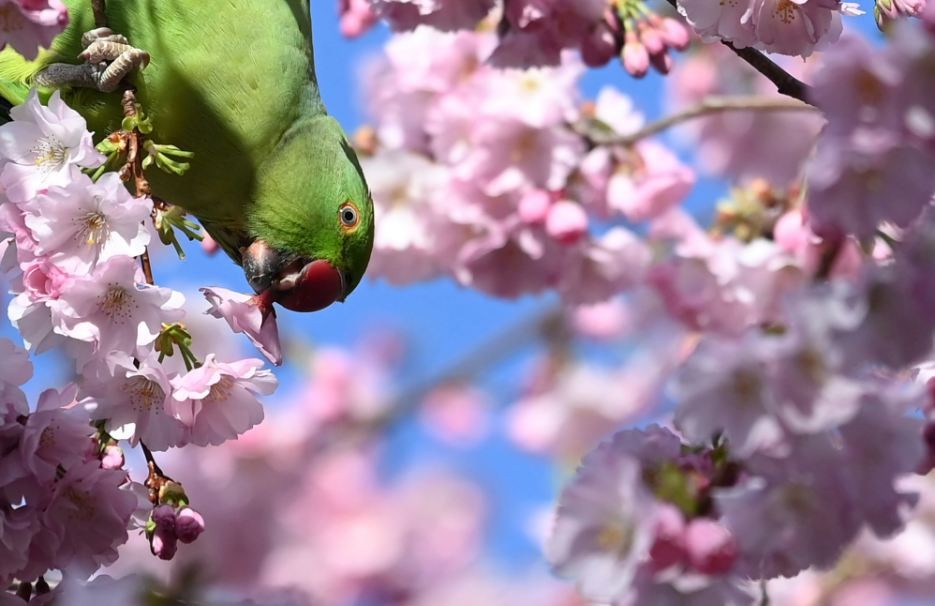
457	414
88	516
30	24
113	311
508	156
725	388
42	145
15	370
648	183
408	207
58	433
795	28
244	313
133	399
775	144
86	223
604	525
599	268
17	527
848	177
218	401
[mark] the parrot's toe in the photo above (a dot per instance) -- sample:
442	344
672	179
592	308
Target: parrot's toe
101	34
108	57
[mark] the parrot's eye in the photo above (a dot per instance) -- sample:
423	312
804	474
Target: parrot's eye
349	215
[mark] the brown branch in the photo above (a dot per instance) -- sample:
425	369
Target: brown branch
786	83
707	107
100	13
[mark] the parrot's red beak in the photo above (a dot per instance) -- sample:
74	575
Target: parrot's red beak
296	284
316	286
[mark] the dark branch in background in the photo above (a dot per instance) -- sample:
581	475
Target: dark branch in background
546	324
786	83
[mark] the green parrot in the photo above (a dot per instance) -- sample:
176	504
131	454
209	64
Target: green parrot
273	178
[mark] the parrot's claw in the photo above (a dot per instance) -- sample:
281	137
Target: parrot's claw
109	58
102	33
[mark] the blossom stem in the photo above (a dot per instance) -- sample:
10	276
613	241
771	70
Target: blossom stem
100	13
786	83
709	106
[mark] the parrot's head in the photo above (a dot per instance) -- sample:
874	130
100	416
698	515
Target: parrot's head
311	221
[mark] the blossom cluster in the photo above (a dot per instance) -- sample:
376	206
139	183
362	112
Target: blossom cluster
27	25
536	33
71	238
491	176
879	143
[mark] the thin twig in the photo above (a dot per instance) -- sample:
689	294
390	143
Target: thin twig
100	13
708	106
786	83
134	169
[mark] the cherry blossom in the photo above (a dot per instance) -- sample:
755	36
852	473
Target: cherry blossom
218	401
42	144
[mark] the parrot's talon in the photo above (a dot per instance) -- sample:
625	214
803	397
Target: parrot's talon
101	33
129	61
109	58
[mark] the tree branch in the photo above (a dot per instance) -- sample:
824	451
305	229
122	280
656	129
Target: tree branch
707	107
786	83
100	13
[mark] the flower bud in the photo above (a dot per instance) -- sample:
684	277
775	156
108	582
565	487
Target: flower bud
534	206
188	524
567	222
163	543
675	33
163	516
711	547
651	38
635	57
113	458
599	47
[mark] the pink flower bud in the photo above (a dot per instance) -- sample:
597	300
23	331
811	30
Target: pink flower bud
599	47
188	524
662	62
669	546
651	38
534	206
635	57
113	458
711	548
164	517
163	543
209	245
567	222
675	33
